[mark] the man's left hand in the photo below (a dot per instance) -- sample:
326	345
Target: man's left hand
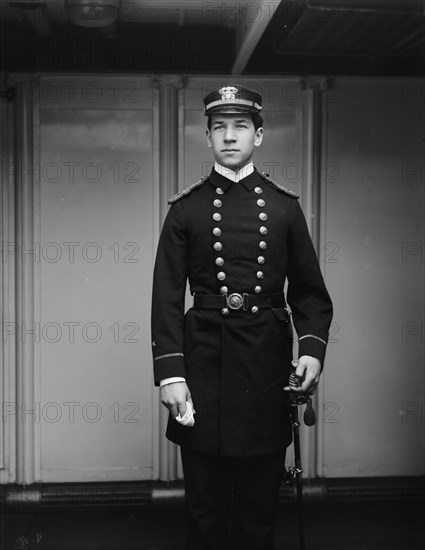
308	373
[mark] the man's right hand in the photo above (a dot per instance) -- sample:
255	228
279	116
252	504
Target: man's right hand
174	397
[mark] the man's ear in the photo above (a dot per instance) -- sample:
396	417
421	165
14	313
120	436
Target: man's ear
259	134
208	134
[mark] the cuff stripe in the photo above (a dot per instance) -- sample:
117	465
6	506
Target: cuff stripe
312	336
167	381
168	355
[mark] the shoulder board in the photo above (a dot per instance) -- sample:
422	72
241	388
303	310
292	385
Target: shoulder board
185	192
269	180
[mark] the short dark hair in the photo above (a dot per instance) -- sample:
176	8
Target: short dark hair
256	118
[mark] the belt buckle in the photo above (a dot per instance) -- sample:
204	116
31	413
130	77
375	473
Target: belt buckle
235	301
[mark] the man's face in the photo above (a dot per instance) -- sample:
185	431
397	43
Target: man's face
232	138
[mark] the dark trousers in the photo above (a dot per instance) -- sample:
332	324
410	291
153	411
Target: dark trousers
231	502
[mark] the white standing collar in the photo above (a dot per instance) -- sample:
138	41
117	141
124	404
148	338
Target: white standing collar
235	176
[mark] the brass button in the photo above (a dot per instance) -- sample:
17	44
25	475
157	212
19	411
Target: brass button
217	203
225	311
261	202
262	216
260	274
218	246
219	261
261	260
258	289
263	230
216	217
254	309
258	190
224	290
219	191
221	275
216	231
262	245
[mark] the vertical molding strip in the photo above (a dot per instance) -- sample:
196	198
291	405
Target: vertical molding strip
324	98
310	198
4	294
7	295
307	203
168	86
24	169
36	88
155	237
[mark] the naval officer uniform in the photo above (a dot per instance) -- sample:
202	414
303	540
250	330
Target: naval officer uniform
236	237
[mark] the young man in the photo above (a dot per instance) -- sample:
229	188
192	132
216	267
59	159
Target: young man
237	236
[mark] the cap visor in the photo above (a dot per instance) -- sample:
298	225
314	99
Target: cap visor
231	110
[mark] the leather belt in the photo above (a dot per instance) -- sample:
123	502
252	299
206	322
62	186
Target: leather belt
236	301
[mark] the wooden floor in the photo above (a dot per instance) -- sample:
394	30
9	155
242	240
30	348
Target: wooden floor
337	526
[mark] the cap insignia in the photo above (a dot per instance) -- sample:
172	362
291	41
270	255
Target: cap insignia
228	92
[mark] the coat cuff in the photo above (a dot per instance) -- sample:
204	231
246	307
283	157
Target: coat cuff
309	344
172	380
168	365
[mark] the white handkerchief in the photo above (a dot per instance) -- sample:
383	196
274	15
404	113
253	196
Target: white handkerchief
187	419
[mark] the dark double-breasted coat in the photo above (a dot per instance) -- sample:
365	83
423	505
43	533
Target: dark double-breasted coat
245	237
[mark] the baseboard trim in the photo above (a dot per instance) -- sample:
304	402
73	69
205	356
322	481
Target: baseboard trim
162	495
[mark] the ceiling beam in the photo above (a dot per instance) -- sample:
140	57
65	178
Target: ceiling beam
254	17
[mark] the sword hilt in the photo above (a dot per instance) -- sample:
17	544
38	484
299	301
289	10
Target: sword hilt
297	399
